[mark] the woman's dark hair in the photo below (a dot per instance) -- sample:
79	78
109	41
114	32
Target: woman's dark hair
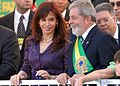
117	56
61	33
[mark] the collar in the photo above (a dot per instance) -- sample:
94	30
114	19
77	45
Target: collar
118	22
63	13
116	34
18	15
87	31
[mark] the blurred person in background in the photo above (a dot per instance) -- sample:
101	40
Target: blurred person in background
63	7
20	21
107	22
46	50
9	53
116	6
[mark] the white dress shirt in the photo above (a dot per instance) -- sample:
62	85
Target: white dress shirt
87	31
116	35
17	18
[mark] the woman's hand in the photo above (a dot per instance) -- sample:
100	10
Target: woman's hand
15	79
43	73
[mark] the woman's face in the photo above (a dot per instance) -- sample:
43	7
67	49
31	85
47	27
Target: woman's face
48	24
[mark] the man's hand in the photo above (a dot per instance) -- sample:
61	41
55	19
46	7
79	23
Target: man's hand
79	82
62	78
74	78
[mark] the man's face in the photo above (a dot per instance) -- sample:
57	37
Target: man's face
117	68
23	4
62	4
77	22
106	22
116	6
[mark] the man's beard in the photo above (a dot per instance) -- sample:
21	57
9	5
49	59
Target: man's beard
76	31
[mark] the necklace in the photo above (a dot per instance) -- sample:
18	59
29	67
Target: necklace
46	41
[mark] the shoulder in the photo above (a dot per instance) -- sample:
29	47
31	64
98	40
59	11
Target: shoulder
102	34
32	13
5	30
7	16
30	40
7	34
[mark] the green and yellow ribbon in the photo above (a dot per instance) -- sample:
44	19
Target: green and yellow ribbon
80	61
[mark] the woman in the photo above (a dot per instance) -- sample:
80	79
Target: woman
46	50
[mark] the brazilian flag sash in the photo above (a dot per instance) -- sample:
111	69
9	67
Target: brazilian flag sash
80	60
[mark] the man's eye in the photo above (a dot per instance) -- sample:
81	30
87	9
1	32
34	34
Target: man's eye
106	20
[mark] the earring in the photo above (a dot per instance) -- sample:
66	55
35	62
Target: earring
57	24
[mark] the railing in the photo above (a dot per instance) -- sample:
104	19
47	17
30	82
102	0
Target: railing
101	82
105	82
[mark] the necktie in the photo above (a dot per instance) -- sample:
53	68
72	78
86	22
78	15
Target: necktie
21	28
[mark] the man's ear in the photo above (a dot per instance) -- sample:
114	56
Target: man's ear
87	20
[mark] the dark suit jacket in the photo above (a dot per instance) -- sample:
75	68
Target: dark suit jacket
99	48
119	36
9	53
96	2
8	21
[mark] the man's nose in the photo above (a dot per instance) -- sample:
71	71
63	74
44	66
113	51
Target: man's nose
115	7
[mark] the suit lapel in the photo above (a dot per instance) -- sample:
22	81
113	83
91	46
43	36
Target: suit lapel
89	38
119	35
28	31
70	60
11	21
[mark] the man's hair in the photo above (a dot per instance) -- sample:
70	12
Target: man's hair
85	8
105	7
69	0
117	56
34	1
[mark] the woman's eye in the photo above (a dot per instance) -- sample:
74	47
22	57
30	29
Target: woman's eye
51	19
43	19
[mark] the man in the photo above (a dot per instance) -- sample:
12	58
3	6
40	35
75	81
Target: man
63	7
97	48
109	72
107	22
12	21
9	53
116	6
